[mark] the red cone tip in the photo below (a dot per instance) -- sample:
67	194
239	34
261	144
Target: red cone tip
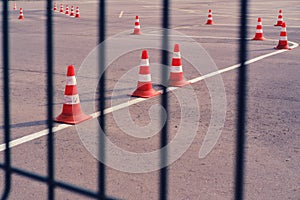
136	17
259	19
283	25
209	10
280	11
71	71
145	54
176	48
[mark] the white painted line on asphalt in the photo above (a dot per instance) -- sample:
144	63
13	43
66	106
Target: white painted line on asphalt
33	136
238	65
60	127
121	14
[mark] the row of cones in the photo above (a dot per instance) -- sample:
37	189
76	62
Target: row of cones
67	11
144	86
210	18
71	111
137	26
282	44
283	41
21	16
71	13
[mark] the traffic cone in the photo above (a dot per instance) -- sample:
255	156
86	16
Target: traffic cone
283	41
21	16
77	12
54	7
61	10
176	74
72	12
209	18
279	19
15	6
67	10
144	86
137	27
71	111
259	31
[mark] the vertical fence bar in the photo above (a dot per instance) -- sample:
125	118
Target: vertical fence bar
6	92
164	102
241	104
102	88
50	138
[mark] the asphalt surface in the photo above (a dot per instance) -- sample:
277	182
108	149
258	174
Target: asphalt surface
273	117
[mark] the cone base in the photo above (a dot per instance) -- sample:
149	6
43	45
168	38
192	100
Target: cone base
72	119
258	38
209	22
21	17
136	33
282	47
145	93
280	24
178	83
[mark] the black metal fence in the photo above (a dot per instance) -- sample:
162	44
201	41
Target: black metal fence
50	180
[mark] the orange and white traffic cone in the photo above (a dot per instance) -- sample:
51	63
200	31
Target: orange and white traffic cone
209	18
283	41
54	7
176	73
72	14
259	31
67	10
15	6
21	16
137	26
71	111
61	10
144	86
77	12
279	19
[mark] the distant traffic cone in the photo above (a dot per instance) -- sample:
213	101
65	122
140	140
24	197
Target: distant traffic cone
209	18
15	6
176	73
144	86
71	111
72	14
21	16
54	7
279	19
77	12
283	41
61	10
67	10
137	26
259	31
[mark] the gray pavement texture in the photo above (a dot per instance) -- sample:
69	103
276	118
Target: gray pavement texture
273	117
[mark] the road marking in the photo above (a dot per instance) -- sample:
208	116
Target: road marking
121	14
60	127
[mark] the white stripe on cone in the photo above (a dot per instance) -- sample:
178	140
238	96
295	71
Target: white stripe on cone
144	77
283	38
176	69
71	80
176	55
144	62
71	99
